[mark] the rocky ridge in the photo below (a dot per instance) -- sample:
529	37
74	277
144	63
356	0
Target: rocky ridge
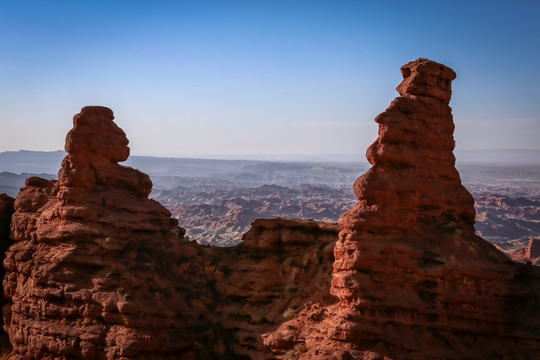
412	278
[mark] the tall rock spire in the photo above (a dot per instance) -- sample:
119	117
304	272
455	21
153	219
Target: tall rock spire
95	145
412	197
412	278
93	272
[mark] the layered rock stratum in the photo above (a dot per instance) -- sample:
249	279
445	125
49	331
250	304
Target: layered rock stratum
412	278
97	270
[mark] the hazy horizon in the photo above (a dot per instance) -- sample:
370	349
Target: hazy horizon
481	156
299	78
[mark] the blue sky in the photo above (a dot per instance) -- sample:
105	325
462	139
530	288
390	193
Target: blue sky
262	77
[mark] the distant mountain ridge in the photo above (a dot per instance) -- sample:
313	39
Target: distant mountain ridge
48	162
27	161
502	157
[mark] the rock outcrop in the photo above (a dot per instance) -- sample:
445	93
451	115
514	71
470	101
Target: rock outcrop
282	266
93	272
412	278
99	271
530	254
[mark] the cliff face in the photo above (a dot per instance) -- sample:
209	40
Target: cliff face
412	278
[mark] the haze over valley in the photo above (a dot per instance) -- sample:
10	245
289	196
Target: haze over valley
216	200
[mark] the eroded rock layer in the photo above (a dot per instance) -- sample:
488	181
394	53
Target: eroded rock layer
412	278
93	272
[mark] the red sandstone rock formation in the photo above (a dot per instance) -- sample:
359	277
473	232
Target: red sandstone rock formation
533	249
281	266
99	271
412	278
93	272
530	254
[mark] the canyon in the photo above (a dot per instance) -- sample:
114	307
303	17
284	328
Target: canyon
216	200
95	269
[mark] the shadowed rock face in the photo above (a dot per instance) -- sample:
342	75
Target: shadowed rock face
6	210
413	279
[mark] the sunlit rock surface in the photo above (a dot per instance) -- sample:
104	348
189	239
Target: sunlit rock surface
412	278
93	272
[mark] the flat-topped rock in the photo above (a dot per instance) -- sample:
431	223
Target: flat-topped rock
424	77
